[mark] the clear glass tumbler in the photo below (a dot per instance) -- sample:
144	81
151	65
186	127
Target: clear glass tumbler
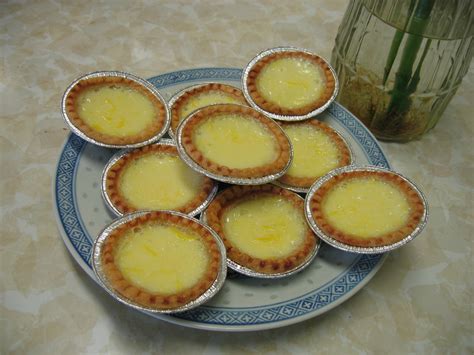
400	62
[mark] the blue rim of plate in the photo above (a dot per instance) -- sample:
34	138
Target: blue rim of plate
275	315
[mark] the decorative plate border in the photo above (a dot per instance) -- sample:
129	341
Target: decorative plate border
275	315
296	307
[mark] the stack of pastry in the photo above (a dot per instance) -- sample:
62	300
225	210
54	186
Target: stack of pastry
267	142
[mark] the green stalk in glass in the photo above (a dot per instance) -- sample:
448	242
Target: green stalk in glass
406	80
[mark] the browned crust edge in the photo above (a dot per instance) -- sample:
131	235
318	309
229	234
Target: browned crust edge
155	300
73	114
115	172
344	153
233	194
187	95
414	200
272	107
209	112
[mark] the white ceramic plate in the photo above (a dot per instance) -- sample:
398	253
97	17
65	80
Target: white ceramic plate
243	304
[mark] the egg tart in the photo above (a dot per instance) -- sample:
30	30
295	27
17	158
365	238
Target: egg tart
317	149
263	229
368	208
289	82
115	109
234	141
159	261
199	96
155	178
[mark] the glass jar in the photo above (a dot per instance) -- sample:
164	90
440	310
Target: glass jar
400	62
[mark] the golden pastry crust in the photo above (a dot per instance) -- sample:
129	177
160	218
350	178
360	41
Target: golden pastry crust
344	152
135	293
228	198
116	171
417	209
188	94
283	144
73	114
272	107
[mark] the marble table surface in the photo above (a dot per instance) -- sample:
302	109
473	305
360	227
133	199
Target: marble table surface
421	301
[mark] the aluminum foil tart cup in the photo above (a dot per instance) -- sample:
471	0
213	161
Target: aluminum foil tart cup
417	200
190	90
99	266
228	178
304	190
100	77
300	190
263	56
252	273
232	265
109	201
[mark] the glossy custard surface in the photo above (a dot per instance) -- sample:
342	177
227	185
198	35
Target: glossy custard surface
159	181
161	259
315	153
206	99
265	226
115	110
235	141
291	83
366	207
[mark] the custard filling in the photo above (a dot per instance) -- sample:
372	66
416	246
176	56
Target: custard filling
264	227
159	181
315	153
115	110
366	207
161	259
206	99
235	141
291	83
